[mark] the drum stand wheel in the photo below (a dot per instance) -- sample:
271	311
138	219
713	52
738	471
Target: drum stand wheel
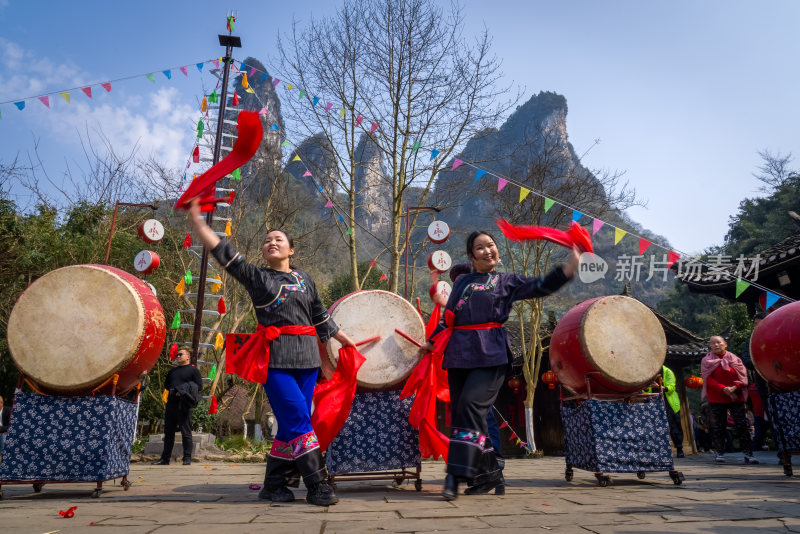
418	484
126	484
569	473
787	469
640	475
603	480
677	477
37	487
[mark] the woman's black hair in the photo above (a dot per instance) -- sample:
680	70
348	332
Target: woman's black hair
471	240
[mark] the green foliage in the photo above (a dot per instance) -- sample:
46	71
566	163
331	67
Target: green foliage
343	285
238	444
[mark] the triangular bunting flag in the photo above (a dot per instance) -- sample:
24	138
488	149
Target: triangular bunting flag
151	77
213	97
328	106
183	70
199	66
315	101
187	241
228	228
274	126
596	225
619	233
672	257
235	100
286	143
221	306
199	128
523	192
87	91
262	111
180	288
216	287
45	100
212	409
503	425
341	219
501	183
383	277
242	66
415	146
245	84
236	174
215	62
643	245
358	120
250	90
204	105
106	86
741	285
307	173
219	341
548	203
480	173
289	86
296	158
576	215
373	127
173	351
456	164
435	153
329	204
188	277
349	231
263	77
275	82
772	298
373	263
167	73
341	113
301	94
252	72
65	96
196	154
212	373
176	322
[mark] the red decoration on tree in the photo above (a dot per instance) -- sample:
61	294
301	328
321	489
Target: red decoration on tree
213	408
672	257
187	242
373	263
173	351
550	378
694	382
515	383
221	306
383	277
235	99
196	154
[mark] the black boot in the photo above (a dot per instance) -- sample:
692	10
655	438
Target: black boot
187	460
161	461
279	476
312	467
450	492
321	494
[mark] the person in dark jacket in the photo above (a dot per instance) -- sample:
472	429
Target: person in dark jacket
183	383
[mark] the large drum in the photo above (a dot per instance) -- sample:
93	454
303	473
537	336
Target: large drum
76	327
775	347
616	341
366	314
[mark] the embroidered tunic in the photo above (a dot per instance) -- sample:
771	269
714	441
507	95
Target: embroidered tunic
282	299
479	298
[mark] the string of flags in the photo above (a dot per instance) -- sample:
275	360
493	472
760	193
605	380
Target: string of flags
672	255
47	99
514	437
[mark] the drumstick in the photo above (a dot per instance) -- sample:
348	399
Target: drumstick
411	339
368	340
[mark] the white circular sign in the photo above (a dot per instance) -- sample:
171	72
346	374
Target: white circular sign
440	261
444	289
438	232
151	231
146	262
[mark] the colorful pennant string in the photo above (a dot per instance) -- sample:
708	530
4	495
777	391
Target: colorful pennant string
176	322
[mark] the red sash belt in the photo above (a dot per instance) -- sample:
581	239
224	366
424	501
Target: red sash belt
428	382
251	360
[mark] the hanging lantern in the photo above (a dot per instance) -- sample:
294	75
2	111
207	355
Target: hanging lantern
515	384
550	378
694	382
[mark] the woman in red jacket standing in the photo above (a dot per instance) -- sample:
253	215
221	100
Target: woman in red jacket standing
725	385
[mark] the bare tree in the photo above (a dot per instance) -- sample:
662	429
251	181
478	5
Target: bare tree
774	170
409	82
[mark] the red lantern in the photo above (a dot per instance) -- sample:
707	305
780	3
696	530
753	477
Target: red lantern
694	382
515	383
550	378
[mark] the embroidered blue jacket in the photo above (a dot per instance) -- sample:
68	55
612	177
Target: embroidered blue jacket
479	298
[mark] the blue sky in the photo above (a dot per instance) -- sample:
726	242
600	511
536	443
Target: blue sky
681	94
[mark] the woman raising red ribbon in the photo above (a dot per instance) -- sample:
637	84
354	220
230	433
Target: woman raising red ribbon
290	316
476	355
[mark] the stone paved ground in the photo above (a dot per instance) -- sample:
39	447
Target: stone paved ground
213	498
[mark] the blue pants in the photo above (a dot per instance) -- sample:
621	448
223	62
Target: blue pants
290	393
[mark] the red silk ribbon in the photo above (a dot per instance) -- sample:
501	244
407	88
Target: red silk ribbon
575	236
251	360
428	382
333	398
249	138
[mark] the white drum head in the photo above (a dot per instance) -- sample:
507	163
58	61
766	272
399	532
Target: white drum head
624	340
365	314
75	326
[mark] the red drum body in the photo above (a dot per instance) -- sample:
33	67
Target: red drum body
76	327
366	314
151	231
438	232
616	341
146	262
440	261
775	347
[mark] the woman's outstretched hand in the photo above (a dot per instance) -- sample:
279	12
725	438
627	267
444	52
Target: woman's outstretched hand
571	266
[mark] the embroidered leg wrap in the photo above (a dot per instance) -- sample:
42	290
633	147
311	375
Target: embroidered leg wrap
467	457
281	467
308	457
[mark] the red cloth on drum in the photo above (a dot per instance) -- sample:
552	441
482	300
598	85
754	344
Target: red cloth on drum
576	235
428	382
251	360
334	397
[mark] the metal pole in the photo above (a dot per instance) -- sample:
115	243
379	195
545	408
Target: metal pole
111	232
201	286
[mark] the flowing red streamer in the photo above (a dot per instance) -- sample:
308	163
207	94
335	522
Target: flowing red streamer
333	398
575	236
250	360
250	134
